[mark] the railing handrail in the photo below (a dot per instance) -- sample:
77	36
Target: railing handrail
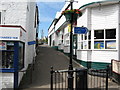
62	71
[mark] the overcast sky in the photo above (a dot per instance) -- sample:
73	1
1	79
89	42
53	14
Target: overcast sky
47	13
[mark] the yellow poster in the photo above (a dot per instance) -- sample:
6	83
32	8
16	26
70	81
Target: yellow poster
69	27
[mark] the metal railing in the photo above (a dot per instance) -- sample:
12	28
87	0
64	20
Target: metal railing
83	79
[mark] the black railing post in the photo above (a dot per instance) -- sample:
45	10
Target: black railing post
107	72
81	79
51	72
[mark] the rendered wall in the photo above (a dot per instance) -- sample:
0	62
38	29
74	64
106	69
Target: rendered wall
23	14
104	17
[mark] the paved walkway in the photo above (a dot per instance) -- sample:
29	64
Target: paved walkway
40	76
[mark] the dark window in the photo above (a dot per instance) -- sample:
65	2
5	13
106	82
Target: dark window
89	43
99	34
85	36
89	35
7	54
110	33
81	37
8	51
7	59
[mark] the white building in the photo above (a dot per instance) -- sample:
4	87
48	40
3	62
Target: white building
101	44
18	36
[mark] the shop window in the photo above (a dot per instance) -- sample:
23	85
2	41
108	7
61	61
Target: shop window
107	42
84	41
7	59
110	33
8	54
99	34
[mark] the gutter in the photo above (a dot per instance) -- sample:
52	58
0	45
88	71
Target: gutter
98	2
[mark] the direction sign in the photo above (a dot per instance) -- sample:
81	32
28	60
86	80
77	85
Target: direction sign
80	30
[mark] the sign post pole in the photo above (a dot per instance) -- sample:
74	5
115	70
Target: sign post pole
70	74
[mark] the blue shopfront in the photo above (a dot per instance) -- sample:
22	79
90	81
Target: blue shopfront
12	49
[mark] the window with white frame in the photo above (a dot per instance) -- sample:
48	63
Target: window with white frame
105	39
84	41
66	39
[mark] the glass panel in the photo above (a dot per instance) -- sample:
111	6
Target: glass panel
67	42
110	33
99	34
7	55
7	59
81	45
85	44
10	45
110	45
81	37
85	36
21	55
98	45
89	35
89	45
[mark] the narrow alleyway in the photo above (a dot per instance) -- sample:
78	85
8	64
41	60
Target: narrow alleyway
40	76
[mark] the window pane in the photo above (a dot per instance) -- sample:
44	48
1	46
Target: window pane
7	59
89	44
85	44
89	35
110	45
21	55
81	45
99	34
110	33
7	54
10	45
98	45
85	36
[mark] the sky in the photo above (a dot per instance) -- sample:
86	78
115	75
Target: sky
47	13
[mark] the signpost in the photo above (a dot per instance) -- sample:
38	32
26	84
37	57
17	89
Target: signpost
80	30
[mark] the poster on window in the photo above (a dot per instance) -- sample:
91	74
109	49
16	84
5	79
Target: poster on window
99	45
111	45
3	46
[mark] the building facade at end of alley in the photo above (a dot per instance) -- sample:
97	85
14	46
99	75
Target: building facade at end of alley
18	40
98	48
